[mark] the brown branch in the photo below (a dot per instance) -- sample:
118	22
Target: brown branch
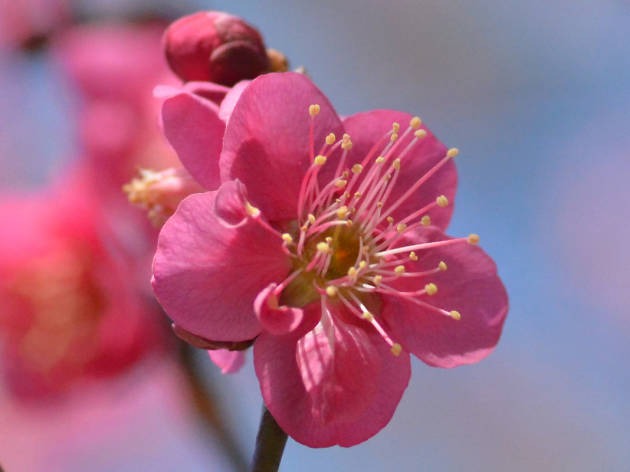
270	444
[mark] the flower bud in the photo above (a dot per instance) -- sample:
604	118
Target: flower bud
160	192
216	47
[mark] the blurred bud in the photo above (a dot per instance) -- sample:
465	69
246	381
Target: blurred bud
216	47
160	192
277	61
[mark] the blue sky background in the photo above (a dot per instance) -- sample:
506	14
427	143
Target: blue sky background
537	97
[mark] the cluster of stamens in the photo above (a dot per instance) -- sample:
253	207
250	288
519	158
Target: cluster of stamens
345	246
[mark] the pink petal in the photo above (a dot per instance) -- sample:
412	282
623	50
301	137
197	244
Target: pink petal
229	362
470	285
194	129
321	398
208	90
209	265
266	143
367	128
229	102
275	318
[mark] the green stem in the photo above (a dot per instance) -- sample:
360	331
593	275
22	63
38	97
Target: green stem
270	444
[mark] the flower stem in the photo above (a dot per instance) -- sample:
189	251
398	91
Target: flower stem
270	444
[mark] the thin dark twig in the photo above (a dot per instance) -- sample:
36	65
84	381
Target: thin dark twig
270	444
206	404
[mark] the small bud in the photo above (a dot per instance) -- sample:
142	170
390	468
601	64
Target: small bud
216	47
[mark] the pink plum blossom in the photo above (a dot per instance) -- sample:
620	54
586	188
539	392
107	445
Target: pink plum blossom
70	307
321	239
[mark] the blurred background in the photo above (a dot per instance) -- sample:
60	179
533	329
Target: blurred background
535	94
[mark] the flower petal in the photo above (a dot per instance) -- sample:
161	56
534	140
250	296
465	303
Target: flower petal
470	285
366	129
231	98
266	143
194	129
229	362
322	397
209	266
275	318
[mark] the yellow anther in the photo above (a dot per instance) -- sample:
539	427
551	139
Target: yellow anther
442	266
396	164
367	316
390	219
323	247
393	137
251	210
320	160
413	256
452	152
420	133
313	110
455	315
328	239
311	218
352	272
346	195
400	227
379	204
473	238
396	349
425	220
287	238
387	177
345	174
396	127
330	139
442	201
400	269
345	136
377	280
357	194
362	264
342	212
331	290
341	183
346	145
380	160
431	289
357	168
415	122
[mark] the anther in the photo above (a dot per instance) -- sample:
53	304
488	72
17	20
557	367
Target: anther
331	290
380	160
396	164
455	315
330	139
395	127
311	218
390	219
420	133
251	210
425	220
357	194
323	247
393	137
431	289
377	279
415	122
367	316
342	212
341	183
473	238
352	272
442	266
313	110
400	227
413	256
362	264
396	349
320	160
442	201
357	168
452	152
400	269
287	238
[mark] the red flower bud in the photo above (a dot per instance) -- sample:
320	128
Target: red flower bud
216	47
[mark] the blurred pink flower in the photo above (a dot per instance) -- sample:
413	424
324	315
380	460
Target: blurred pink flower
71	304
22	21
319	245
114	67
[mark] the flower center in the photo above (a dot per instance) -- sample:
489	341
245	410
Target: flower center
345	245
